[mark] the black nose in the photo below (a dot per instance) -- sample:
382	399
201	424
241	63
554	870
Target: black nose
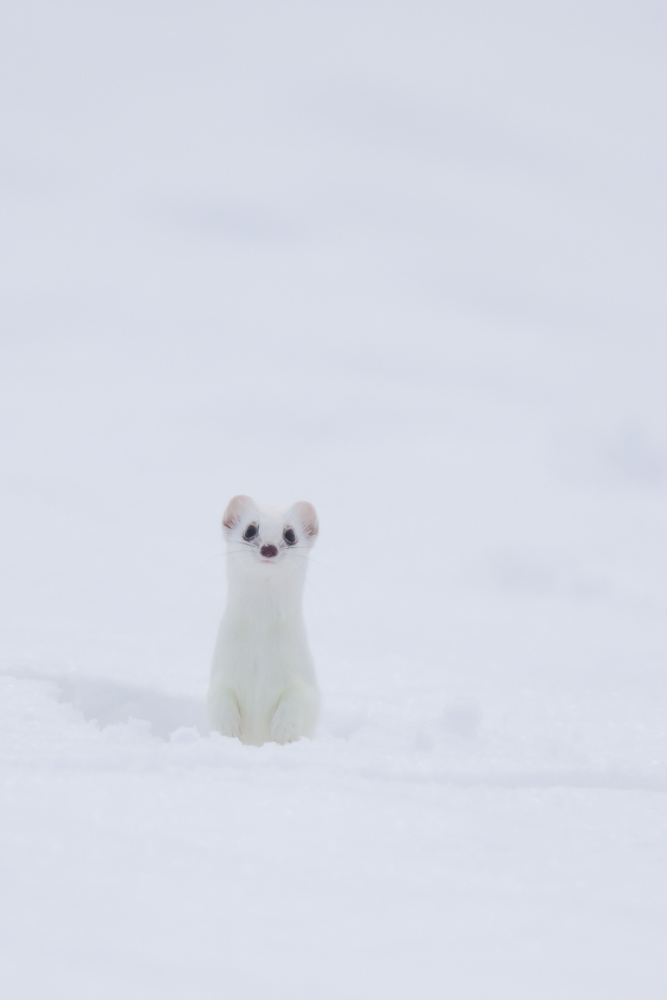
269	551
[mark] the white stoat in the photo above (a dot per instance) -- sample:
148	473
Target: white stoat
263	683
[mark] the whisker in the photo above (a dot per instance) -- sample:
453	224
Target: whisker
237	548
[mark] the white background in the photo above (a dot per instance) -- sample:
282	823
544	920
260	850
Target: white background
406	261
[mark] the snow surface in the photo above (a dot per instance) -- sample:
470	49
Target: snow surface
406	261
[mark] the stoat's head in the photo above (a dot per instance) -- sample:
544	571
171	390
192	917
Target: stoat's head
269	535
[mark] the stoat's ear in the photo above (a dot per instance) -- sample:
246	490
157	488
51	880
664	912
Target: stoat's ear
236	508
307	517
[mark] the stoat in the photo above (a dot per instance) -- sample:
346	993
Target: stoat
263	683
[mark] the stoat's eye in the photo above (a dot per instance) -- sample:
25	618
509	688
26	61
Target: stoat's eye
250	532
289	536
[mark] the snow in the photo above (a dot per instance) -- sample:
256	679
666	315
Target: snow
405	261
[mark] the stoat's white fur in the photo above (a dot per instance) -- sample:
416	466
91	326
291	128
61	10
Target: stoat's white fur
263	683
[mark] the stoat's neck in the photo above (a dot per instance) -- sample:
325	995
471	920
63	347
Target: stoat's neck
264	591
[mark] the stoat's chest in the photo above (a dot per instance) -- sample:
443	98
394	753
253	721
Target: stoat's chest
262	641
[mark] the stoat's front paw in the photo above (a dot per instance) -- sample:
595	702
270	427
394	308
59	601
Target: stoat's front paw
287	722
223	713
